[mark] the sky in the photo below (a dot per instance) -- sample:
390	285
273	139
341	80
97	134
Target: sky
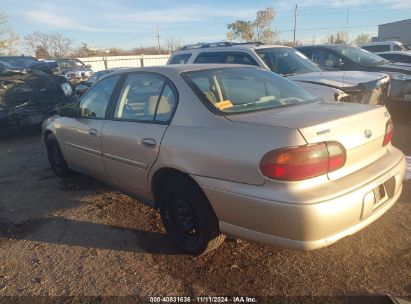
132	23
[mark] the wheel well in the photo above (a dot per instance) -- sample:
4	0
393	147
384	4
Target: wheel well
46	133
164	174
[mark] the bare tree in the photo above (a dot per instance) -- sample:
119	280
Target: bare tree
48	45
61	46
337	38
362	38
8	39
258	30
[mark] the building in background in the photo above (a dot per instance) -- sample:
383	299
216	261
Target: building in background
397	31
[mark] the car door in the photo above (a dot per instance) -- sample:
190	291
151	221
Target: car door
81	135
132	135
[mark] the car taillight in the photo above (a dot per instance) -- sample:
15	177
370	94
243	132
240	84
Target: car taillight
303	162
389	132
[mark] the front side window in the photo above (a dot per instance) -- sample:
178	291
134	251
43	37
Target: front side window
146	98
326	59
286	61
237	90
94	102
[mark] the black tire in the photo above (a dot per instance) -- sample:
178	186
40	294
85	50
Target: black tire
56	158
188	217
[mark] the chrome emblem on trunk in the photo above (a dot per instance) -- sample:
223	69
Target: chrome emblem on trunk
367	133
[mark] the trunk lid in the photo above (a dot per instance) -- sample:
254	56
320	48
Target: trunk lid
360	128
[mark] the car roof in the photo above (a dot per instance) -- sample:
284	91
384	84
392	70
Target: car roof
179	68
381	43
406	53
18	57
241	46
330	45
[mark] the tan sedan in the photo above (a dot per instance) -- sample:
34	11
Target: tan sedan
237	150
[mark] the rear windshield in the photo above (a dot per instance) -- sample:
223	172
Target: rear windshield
238	90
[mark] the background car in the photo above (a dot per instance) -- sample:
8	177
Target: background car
356	87
83	86
396	56
338	57
384	46
29	92
232	149
74	70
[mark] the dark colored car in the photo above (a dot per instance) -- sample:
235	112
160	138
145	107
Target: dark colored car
83	86
350	58
29	92
397	56
74	70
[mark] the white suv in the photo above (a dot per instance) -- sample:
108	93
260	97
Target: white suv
384	46
350	86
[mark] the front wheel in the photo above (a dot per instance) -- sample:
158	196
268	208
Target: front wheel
56	158
188	217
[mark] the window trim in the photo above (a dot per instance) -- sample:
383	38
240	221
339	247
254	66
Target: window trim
113	94
113	103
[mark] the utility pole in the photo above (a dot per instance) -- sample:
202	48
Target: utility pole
295	22
346	26
158	41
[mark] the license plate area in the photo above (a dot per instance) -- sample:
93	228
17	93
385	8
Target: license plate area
384	192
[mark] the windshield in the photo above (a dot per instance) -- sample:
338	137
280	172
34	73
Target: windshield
287	61
361	56
70	63
16	62
237	90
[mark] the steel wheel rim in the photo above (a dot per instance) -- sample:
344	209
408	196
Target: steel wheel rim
183	217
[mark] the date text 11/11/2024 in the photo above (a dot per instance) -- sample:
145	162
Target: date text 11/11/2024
203	299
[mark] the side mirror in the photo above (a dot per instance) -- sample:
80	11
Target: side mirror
68	110
340	63
82	88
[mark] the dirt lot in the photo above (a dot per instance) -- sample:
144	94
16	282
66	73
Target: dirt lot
78	236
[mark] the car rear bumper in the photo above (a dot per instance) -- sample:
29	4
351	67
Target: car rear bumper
307	225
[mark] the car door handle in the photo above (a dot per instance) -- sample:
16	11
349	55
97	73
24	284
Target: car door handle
149	143
93	132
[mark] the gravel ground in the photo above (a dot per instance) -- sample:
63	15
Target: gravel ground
77	236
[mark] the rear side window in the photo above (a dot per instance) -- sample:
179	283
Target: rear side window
226	57
180	58
146	98
377	48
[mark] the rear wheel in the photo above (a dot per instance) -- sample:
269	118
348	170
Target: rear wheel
188	217
56	158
